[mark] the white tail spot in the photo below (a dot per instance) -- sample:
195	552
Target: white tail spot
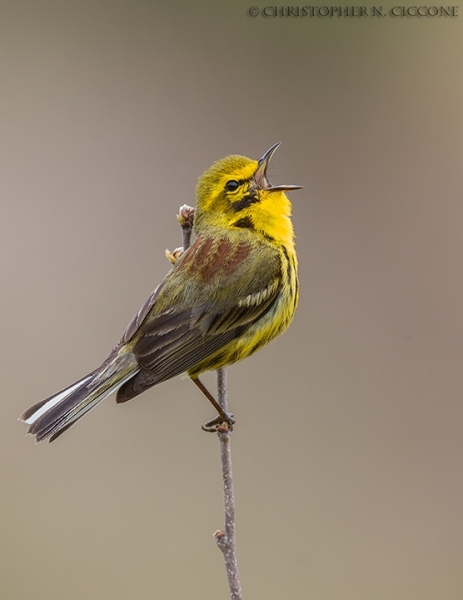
54	400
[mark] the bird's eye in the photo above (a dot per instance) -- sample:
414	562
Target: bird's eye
232	185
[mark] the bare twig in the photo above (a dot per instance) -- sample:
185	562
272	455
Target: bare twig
185	217
225	538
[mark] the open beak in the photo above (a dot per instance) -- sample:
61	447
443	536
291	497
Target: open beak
260	176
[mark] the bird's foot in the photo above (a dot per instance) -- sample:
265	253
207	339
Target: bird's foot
222	423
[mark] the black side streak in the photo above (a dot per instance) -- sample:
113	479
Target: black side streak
288	263
268	237
289	266
296	291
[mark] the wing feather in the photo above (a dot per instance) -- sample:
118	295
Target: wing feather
164	354
205	316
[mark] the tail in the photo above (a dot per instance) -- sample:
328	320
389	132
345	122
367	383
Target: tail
52	416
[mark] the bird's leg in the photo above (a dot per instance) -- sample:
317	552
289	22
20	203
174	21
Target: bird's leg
222	417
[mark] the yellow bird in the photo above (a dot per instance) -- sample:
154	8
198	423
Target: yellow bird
229	294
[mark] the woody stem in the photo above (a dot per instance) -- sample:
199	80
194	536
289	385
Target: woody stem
225	538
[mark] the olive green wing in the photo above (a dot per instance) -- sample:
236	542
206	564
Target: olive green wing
206	312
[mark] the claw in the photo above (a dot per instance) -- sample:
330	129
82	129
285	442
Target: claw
220	424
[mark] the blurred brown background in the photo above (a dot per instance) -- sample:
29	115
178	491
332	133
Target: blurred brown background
348	452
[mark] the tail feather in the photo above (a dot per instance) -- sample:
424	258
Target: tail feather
30	415
51	417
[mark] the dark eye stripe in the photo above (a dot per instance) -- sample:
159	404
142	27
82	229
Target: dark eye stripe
245	202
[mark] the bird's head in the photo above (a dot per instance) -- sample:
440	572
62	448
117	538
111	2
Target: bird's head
236	193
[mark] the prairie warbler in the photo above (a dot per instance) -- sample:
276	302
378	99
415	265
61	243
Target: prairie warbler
230	293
